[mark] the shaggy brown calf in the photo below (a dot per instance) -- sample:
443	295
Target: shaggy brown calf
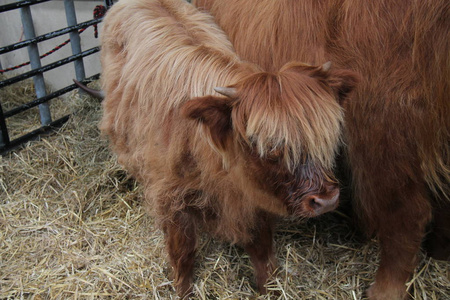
398	123
223	164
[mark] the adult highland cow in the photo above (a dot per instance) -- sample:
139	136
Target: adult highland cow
397	123
223	164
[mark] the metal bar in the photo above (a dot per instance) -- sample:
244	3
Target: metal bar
20	4
48	67
74	39
4	137
48	36
33	53
34	135
38	101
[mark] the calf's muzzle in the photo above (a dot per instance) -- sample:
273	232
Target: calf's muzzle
308	201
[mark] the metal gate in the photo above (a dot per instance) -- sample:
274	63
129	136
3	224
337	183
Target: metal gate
42	98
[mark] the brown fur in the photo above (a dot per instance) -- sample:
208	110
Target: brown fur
397	123
219	164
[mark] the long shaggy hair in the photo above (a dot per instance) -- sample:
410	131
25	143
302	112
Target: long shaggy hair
278	115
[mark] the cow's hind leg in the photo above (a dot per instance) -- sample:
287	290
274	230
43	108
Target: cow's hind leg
400	228
180	235
261	252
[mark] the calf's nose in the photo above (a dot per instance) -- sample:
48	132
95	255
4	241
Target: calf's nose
322	204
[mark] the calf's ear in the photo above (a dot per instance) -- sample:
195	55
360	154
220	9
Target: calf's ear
343	83
215	115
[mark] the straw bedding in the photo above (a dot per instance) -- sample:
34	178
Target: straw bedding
72	227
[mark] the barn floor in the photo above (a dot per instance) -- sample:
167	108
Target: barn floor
72	227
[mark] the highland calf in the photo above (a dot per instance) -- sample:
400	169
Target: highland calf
226	164
397	125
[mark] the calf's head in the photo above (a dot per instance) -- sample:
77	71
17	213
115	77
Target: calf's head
282	131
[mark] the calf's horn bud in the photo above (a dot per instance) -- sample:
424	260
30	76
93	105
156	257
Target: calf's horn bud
326	66
226	91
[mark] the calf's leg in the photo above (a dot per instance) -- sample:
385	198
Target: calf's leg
261	252
180	236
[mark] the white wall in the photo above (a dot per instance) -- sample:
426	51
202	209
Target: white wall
48	17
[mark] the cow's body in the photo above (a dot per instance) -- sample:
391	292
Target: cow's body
397	123
225	165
